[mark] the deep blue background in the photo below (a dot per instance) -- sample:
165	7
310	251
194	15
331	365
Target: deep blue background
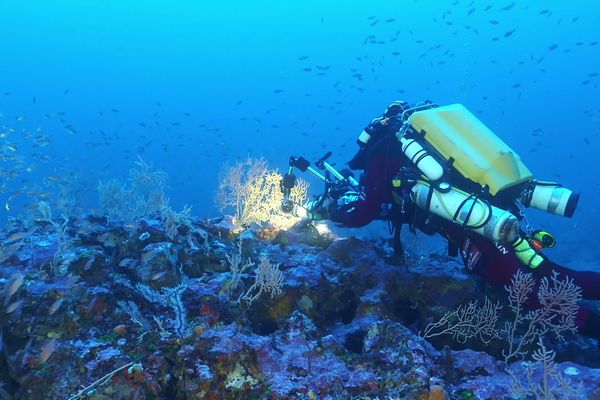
189	85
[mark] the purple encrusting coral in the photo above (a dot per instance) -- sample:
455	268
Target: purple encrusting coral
111	311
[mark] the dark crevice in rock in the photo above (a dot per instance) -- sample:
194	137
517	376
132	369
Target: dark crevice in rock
265	326
10	385
349	302
405	311
261	322
355	341
170	387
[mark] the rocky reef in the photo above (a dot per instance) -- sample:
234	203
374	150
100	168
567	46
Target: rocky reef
98	310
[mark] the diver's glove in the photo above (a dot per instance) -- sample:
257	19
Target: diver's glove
315	210
329	204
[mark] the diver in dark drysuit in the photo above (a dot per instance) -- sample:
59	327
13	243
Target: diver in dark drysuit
380	162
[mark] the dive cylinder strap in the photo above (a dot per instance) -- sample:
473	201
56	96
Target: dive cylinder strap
526	254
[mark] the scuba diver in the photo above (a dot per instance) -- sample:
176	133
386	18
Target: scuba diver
439	169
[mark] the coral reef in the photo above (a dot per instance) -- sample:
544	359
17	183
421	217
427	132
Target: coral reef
143	311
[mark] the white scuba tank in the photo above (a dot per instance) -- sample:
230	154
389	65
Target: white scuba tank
424	161
489	221
553	198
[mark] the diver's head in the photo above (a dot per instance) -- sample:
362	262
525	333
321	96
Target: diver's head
396	108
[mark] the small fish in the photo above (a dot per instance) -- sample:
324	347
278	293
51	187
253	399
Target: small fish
553	47
302	58
55	306
72	281
307	69
494	22
149	255
47	351
277	91
125	262
158	275
14	306
13	284
9	251
508	7
509	33
16	236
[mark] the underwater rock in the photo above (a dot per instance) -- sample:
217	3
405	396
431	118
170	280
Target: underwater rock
303	234
224	227
129	313
295	361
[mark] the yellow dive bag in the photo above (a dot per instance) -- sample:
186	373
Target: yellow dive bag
471	147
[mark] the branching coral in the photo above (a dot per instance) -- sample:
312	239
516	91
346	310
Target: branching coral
237	267
142	196
552	385
268	279
558	307
253	191
174	220
467	322
559	304
169	297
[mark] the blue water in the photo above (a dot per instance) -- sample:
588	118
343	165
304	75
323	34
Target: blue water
190	85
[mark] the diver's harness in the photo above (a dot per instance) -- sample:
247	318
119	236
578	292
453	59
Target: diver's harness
433	184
